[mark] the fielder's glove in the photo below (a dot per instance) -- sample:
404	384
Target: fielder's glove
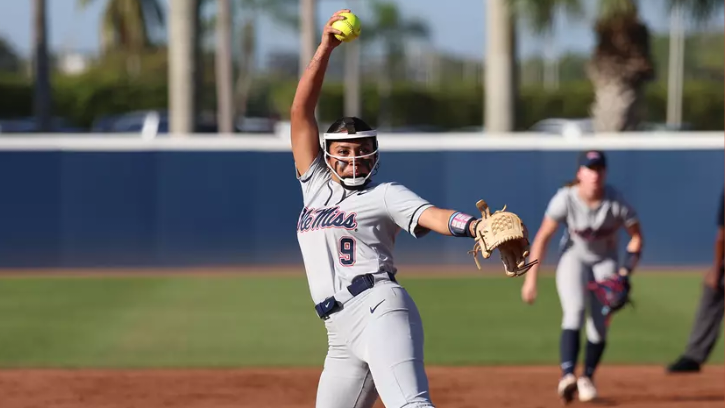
613	293
503	230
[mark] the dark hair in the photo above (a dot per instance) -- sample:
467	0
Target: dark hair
572	182
349	124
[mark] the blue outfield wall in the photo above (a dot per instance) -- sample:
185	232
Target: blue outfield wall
190	208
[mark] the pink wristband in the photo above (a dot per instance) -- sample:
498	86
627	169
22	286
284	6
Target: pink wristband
459	223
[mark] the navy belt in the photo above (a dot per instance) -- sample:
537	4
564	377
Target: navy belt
359	285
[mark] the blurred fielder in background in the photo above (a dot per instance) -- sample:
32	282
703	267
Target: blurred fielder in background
592	212
708	319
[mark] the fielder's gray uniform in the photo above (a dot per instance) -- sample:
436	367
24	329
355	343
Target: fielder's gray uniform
378	333
588	251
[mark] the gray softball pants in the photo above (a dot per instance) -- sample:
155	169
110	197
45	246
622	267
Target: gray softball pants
572	276
375	348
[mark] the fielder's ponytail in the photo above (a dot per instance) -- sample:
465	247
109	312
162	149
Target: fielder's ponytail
572	182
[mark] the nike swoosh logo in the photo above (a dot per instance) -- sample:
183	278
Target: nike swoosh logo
372	309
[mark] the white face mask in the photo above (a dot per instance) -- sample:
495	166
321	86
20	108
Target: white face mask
355	180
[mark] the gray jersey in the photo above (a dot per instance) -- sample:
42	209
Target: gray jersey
591	232
343	234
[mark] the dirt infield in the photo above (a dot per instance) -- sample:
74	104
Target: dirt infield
469	387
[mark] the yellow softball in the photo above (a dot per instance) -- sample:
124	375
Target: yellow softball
350	27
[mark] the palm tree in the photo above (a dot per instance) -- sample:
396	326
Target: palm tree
307	18
352	102
619	69
198	52
621	64
233	93
127	24
245	74
224	67
499	68
284	12
182	49
390	27
41	69
9	58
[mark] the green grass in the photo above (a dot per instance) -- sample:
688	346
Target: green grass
189	321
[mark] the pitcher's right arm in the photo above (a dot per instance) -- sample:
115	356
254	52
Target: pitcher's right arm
304	131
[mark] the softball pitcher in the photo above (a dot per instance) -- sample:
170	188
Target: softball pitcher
346	232
592	213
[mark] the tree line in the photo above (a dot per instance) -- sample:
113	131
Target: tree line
449	107
619	69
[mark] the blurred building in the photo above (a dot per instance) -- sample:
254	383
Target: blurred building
72	63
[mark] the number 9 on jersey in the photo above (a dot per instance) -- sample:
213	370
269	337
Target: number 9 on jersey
347	251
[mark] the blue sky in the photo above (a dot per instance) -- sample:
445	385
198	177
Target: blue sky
456	27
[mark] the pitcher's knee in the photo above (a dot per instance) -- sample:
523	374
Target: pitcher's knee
572	320
401	383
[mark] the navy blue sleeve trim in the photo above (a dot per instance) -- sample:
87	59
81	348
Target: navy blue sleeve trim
412	217
307	179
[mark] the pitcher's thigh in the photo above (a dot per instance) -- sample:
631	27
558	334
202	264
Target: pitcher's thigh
395	352
345	382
